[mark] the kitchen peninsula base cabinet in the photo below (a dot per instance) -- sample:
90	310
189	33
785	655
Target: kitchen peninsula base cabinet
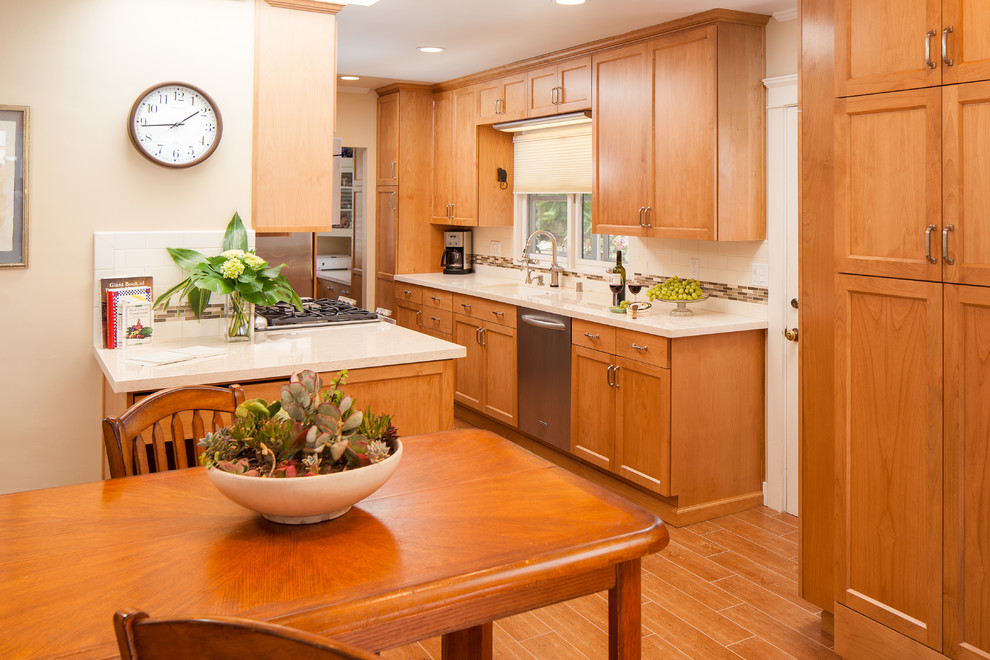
683	418
419	396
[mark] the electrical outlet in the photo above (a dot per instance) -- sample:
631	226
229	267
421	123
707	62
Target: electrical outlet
760	275
495	248
694	268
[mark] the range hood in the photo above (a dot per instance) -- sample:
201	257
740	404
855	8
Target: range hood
553	121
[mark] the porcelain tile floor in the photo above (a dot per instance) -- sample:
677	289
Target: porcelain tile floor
725	588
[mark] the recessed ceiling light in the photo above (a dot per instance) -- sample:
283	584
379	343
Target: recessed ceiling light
568	2
350	78
431	49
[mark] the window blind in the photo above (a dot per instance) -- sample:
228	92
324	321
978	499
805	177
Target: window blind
553	160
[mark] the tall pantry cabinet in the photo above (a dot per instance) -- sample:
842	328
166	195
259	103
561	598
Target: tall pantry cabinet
405	241
912	256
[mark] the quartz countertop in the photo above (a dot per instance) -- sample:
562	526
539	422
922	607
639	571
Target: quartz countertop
589	305
274	354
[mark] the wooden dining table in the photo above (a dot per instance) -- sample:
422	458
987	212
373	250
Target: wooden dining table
471	528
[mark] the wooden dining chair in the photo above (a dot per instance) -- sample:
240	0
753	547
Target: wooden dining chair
160	432
143	638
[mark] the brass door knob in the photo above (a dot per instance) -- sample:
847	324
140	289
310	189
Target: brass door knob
791	334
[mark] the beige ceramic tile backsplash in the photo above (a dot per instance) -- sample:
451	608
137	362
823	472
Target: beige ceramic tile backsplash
132	254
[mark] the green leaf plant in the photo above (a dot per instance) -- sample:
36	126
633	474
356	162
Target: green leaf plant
308	431
235	269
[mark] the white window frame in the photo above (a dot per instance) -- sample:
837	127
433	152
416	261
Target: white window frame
574	216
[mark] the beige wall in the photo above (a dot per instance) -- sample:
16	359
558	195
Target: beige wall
782	48
79	65
357	125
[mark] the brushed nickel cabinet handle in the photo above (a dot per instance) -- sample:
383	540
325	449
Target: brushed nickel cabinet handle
391	200
590	335
484	331
640	348
945	48
642	210
434	298
465	306
928	48
498	313
477	336
435	319
394	164
608	376
419	318
615	376
928	244
945	244
649	212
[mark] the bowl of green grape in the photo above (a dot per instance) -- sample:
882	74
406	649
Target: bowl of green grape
681	292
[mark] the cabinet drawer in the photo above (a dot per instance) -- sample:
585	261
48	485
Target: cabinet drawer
438	299
433	321
485	310
592	335
650	349
407	292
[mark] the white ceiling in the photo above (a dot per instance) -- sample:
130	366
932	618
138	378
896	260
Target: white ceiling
379	42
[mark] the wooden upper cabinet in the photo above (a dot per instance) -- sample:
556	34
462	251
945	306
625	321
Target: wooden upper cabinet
881	45
622	151
500	100
890	45
888	184
684	135
388	139
455	159
679	134
561	87
293	119
966	183
968	44
889	506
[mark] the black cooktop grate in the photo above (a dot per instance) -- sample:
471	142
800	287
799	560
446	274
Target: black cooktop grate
322	311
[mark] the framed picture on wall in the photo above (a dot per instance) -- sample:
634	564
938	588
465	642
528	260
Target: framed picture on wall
13	186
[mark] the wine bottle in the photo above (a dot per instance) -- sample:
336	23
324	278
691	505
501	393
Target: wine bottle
617	279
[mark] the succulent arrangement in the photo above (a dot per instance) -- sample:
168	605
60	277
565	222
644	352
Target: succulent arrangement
309	431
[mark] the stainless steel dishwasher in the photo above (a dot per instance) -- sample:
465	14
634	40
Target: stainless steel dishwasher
544	368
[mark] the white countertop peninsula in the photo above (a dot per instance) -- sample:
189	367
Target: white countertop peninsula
273	355
589	305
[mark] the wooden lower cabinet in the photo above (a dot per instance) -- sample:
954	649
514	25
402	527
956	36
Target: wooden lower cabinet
682	418
486	379
912	469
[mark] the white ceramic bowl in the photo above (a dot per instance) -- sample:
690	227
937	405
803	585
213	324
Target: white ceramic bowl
302	500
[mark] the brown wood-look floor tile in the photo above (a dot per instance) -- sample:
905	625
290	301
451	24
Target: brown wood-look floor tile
594	608
762	519
780	635
552	646
694	541
702	527
708	593
578	631
688	559
778	607
413	651
682	635
793	536
656	647
783	515
524	626
768	579
755	552
758	536
504	647
695	613
757	648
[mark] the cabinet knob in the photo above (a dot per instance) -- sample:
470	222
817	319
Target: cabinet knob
791	334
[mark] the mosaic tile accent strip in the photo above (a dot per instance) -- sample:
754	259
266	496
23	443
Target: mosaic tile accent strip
749	294
214	311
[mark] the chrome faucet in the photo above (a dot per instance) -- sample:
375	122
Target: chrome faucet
527	262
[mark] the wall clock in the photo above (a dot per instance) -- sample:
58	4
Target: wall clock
175	125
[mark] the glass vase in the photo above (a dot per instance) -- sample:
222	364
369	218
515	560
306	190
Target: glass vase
238	318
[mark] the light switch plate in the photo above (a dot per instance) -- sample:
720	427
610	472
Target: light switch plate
694	268
495	247
760	275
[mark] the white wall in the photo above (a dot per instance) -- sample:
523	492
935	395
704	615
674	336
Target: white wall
79	65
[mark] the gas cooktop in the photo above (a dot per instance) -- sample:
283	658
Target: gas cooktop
322	311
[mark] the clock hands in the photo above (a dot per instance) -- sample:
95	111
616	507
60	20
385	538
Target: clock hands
180	123
173	124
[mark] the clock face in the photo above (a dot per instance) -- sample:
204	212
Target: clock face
175	125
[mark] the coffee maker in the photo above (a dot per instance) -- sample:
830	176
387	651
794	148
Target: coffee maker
457	254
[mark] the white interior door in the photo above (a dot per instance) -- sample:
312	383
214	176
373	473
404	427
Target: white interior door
780	491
